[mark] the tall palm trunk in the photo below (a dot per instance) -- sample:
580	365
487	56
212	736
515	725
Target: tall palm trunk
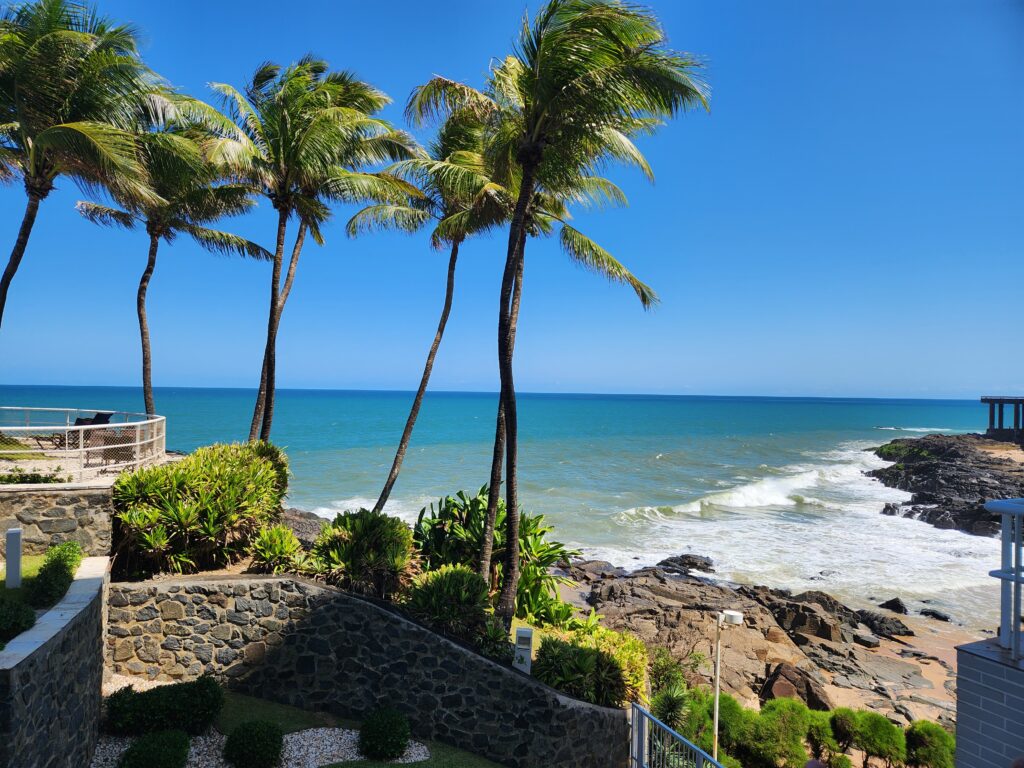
403	444
140	306
494	485
506	342
275	279
293	263
27	221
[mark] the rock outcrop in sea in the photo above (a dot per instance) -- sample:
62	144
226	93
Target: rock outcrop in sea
808	645
951	477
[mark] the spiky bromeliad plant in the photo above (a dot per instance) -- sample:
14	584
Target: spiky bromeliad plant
73	90
586	75
366	552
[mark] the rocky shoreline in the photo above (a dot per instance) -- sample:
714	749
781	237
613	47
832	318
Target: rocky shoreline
951	477
807	645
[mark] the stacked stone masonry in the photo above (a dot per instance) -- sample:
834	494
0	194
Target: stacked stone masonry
50	678
314	647
50	515
989	706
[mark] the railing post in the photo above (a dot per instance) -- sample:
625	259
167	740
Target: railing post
1005	587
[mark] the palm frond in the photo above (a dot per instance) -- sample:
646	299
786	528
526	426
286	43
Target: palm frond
105	216
592	256
383	216
225	243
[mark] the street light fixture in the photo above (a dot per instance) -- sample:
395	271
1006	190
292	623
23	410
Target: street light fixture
734	618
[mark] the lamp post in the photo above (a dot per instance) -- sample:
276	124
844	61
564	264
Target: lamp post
734	618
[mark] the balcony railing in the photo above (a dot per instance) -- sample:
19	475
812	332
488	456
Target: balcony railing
655	745
1010	573
78	444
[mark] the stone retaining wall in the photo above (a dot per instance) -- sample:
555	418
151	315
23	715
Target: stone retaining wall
314	647
50	678
50	514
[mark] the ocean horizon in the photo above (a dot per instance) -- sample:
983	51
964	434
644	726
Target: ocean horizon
771	488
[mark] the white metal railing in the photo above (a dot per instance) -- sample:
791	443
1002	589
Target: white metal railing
1010	573
654	745
78	443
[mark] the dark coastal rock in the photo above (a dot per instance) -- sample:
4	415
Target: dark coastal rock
895	605
884	626
683	564
931	613
787	681
305	525
950	477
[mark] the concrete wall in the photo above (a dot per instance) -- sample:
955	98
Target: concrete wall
989	706
50	514
316	648
50	679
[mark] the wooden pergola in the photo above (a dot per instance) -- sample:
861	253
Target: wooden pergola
998	429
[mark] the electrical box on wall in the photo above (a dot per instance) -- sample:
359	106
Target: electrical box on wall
523	650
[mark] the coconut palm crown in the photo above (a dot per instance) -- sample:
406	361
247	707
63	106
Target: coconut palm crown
72	89
304	136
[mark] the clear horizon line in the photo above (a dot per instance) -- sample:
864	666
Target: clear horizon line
519	392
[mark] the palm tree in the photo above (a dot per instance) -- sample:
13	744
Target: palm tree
72	89
585	76
455	194
304	133
189	197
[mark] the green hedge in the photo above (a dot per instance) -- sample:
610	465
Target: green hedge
600	665
384	735
198	513
255	744
191	707
56	574
162	749
15	617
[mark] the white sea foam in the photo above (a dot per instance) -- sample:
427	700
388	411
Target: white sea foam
933	430
406	509
818	526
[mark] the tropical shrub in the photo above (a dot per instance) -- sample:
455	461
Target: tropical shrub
255	744
453	534
929	745
15	617
384	735
820	738
494	643
161	749
777	735
198	513
191	707
877	737
452	600
666	671
671	704
276	550
56	574
603	667
277	458
844	727
366	552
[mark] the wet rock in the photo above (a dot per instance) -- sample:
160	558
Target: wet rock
895	605
884	626
305	525
931	613
788	681
685	563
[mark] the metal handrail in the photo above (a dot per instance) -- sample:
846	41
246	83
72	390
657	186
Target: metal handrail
1010	572
654	745
128	441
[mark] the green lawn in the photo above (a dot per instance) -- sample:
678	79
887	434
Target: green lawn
30	565
239	708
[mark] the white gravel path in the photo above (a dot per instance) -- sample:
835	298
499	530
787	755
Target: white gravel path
312	748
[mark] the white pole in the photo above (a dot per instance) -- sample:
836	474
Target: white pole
718	677
13	579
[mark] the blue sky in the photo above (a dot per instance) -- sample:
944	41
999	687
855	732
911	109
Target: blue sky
847	220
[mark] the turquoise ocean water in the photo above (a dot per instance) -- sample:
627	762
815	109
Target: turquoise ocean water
771	488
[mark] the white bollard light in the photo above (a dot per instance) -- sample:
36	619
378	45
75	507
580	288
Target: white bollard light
523	659
13	550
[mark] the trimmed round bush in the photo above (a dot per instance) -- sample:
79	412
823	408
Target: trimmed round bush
453	600
191	707
55	575
877	737
384	735
929	745
162	749
15	618
844	727
255	744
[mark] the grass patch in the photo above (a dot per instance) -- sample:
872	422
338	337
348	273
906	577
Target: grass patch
8	443
30	565
239	708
